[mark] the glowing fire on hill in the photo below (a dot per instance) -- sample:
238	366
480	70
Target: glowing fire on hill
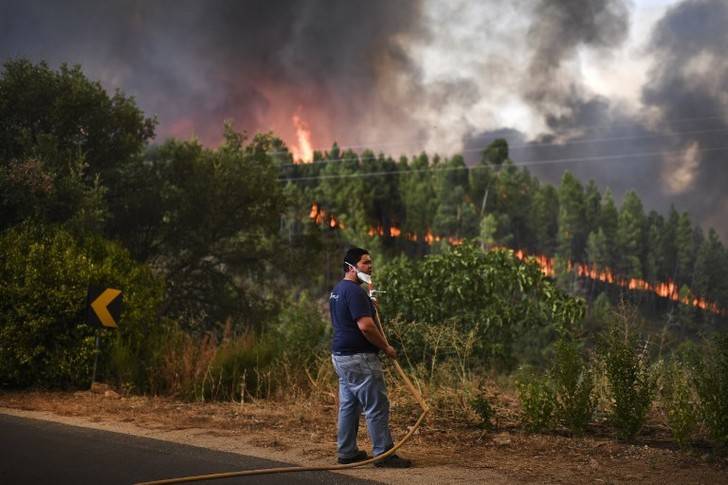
320	216
667	289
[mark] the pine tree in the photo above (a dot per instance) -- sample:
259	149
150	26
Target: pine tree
630	235
571	237
592	207
544	219
685	250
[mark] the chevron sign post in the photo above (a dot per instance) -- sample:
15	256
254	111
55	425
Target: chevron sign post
104	306
104	311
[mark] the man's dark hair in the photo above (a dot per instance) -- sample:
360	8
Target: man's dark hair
353	256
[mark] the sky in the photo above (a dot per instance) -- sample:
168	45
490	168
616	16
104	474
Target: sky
633	94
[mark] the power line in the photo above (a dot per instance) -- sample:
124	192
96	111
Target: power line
478	167
418	142
533	145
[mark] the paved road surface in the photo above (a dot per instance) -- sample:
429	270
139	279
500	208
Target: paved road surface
43	452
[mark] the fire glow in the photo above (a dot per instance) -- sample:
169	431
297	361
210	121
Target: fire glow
303	151
667	289
319	216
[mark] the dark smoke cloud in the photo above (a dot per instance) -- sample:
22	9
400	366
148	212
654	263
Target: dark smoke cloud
195	64
669	151
354	71
558	30
690	80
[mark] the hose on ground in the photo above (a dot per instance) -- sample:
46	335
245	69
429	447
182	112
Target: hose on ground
293	469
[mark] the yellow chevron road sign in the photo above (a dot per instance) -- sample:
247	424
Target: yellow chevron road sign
104	306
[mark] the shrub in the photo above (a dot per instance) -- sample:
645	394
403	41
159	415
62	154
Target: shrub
481	405
711	381
573	384
44	338
678	401
491	298
631	383
537	402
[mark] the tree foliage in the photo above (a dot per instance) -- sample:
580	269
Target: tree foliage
492	294
44	337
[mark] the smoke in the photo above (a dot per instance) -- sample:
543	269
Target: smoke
560	80
195	64
559	29
668	146
689	80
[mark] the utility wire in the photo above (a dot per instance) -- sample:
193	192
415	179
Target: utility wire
478	167
418	142
532	145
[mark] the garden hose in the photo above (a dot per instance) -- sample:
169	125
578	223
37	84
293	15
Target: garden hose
267	471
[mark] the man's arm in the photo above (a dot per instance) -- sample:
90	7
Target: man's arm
372	334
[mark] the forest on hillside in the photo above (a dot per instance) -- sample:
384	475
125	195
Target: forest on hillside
226	254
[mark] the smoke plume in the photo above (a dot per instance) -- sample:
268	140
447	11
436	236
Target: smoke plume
560	80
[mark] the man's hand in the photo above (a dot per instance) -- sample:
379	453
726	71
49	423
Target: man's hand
391	353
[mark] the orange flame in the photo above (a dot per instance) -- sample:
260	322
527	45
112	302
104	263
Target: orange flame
302	152
319	216
666	289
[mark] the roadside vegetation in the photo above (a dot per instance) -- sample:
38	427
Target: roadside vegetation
225	260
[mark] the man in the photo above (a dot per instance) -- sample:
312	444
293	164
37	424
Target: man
357	341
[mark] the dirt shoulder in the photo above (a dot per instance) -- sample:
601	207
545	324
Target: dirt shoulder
304	433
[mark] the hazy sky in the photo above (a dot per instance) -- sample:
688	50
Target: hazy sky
632	93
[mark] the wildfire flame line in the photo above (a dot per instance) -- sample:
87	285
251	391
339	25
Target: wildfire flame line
669	289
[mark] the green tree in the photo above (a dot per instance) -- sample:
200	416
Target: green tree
711	268
418	198
608	222
491	296
68	135
544	219
597	249
44	337
685	244
514	189
211	227
454	216
653	253
630	236
572	223
496	153
592	207
668	246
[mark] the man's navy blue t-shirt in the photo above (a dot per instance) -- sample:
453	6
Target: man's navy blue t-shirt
348	303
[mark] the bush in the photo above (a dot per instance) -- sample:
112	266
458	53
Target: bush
678	401
711	381
573	384
491	298
44	338
631	383
537	402
481	405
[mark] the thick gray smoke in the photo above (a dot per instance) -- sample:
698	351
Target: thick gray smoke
402	76
671	150
558	30
195	64
689	82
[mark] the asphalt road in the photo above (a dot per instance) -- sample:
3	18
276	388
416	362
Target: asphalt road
43	452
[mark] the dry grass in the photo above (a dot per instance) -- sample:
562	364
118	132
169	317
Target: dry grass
449	437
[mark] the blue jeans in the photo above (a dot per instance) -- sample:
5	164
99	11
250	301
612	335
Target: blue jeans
361	388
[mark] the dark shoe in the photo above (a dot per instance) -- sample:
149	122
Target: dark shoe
361	456
394	461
